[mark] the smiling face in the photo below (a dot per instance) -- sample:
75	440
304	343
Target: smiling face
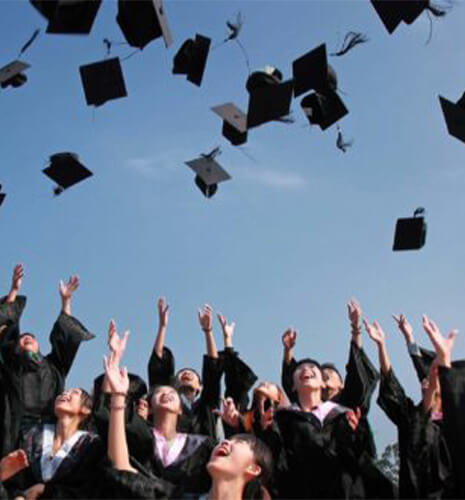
332	379
188	381
166	398
73	402
233	459
28	343
307	376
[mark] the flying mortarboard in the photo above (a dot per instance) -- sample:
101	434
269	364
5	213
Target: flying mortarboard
68	16
209	173
234	123
454	114
323	109
260	79
103	81
191	58
410	232
12	74
2	195
66	170
269	103
142	21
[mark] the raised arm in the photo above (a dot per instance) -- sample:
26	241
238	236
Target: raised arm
377	335
16	281
289	339
432	388
163	313
206	323
228	331
66	293
354	312
442	345
117	346
118	451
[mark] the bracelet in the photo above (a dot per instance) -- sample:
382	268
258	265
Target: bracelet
117	407
119	394
205	330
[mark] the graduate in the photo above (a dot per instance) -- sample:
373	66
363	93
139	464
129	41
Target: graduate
319	443
452	383
238	468
198	397
30	381
63	457
157	446
425	462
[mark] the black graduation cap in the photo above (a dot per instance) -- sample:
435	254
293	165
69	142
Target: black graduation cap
454	114
410	232
269	103
103	81
323	109
12	74
2	195
234	123
68	16
260	79
191	58
209	174
66	170
393	12
142	21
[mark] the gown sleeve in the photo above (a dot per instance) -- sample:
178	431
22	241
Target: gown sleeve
393	400
65	339
286	379
161	370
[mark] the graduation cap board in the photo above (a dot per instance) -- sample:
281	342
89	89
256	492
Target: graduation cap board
142	21
269	103
393	12
66	170
454	114
103	81
234	123
68	16
310	71
323	109
209	173
410	232
12	74
191	58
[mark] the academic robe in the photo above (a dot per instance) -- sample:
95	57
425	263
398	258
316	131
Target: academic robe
77	475
187	471
452	381
239	378
315	460
425	462
197	418
28	386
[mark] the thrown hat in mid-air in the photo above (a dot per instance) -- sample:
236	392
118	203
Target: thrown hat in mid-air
234	123
209	173
66	170
191	58
13	74
410	232
454	114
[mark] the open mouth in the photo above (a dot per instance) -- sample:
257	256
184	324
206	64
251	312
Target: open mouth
222	451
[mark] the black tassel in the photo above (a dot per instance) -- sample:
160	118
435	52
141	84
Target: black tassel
341	143
234	27
435	10
29	42
351	39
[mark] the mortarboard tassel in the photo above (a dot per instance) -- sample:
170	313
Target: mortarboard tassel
29	42
351	39
341	143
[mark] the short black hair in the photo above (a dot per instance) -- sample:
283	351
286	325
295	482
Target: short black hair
86	398
332	366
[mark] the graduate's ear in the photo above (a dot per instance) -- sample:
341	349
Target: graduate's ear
253	470
200	389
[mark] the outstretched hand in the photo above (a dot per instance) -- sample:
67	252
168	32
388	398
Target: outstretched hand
67	289
227	329
375	332
353	418
17	279
12	463
289	339
163	312
116	343
205	318
354	311
442	345
405	327
116	376
229	413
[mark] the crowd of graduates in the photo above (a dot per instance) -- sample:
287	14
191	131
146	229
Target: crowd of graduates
180	436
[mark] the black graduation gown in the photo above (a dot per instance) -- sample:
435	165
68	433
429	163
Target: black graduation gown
29	388
197	418
315	460
452	381
425	461
77	475
187	471
239	378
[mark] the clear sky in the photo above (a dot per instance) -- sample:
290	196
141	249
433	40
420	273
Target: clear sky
296	232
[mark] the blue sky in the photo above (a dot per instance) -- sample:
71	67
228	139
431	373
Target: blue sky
297	231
